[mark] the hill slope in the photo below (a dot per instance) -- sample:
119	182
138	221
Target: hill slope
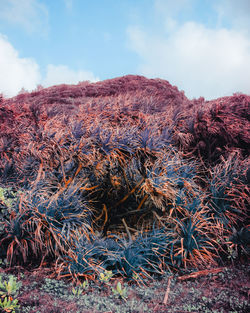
204	127
125	174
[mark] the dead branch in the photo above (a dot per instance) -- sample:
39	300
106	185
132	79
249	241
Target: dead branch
167	291
201	273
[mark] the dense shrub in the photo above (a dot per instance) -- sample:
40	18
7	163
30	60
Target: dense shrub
125	175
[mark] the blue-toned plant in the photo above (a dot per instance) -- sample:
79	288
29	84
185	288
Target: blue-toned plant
81	261
193	240
110	253
227	192
57	218
17	239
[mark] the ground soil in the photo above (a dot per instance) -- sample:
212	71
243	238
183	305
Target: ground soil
225	290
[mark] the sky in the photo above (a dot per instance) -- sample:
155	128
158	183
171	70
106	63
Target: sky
200	46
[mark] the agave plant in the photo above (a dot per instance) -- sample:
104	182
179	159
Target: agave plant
56	218
17	240
170	182
83	259
227	192
27	167
193	240
154	247
41	225
110	252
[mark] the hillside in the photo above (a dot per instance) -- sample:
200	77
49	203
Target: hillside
130	157
208	127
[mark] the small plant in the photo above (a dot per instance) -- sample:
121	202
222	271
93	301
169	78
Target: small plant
78	290
119	291
105	277
8	304
7	196
232	253
10	288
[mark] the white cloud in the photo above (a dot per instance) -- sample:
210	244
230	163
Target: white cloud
32	15
16	72
62	74
199	60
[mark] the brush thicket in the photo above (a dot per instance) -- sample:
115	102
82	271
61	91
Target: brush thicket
101	180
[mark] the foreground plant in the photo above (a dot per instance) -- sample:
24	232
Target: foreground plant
7	196
8	304
8	290
78	290
106	276
119	291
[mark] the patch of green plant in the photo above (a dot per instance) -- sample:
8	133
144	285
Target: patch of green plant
9	288
7	196
56	287
120	291
105	276
8	304
78	290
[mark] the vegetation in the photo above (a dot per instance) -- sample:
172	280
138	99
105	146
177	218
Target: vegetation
8	290
122	179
